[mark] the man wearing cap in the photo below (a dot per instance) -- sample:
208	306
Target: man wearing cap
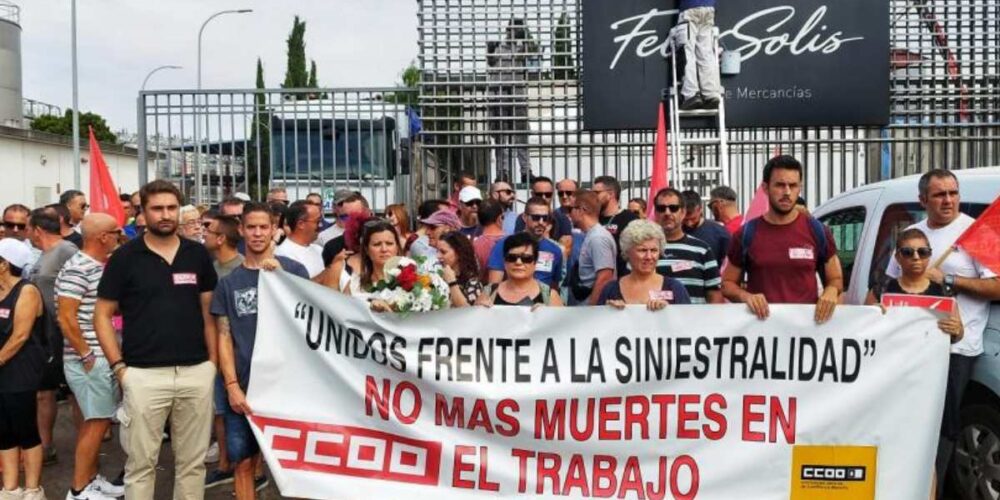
469	199
341	197
723	206
437	224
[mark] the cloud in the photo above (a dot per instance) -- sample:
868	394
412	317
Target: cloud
355	43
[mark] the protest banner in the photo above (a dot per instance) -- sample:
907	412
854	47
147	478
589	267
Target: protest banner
689	402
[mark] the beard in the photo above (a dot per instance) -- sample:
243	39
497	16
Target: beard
780	211
155	229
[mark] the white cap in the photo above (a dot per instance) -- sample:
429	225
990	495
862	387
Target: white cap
469	193
242	196
14	252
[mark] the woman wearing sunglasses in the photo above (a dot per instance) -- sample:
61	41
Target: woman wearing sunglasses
520	288
913	253
642	244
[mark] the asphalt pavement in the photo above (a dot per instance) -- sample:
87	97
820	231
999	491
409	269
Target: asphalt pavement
56	478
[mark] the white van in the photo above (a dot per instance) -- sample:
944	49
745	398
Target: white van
864	223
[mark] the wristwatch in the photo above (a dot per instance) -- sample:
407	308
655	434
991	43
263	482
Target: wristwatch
949	284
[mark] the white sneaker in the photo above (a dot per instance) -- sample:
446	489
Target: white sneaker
35	494
88	493
212	455
101	484
17	494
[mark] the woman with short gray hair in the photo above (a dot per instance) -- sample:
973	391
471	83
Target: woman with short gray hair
642	245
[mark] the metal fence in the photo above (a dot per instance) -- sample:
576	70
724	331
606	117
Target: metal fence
945	97
306	140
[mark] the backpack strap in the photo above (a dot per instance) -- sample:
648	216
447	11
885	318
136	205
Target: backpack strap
749	229
819	234
546	293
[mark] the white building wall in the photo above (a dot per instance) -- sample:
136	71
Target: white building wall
34	173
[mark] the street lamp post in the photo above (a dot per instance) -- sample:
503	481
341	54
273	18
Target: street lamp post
76	106
141	128
148	75
197	133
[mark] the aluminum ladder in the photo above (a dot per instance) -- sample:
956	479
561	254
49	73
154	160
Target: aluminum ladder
681	143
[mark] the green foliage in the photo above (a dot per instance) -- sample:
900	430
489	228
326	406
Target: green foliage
313	84
63	125
296	75
562	49
408	93
258	186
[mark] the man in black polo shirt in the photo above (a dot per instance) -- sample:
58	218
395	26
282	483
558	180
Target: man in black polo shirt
162	284
614	218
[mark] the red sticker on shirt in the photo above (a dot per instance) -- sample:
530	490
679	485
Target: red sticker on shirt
185	279
4	313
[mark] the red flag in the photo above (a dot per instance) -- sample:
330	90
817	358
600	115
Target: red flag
759	203
661	168
982	239
103	194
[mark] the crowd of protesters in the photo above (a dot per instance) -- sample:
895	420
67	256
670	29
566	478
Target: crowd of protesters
150	324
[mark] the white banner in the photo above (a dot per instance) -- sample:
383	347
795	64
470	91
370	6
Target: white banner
689	402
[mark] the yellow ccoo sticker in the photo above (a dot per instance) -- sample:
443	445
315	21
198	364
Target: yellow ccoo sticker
833	472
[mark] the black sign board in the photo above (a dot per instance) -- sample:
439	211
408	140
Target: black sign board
803	62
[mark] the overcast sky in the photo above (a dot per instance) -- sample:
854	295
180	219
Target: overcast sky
354	43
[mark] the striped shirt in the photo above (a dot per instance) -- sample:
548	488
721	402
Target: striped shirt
78	279
691	261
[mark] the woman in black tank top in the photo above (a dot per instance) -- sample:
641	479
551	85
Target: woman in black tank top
520	288
22	361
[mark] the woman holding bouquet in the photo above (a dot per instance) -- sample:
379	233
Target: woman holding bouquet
460	269
379	243
520	288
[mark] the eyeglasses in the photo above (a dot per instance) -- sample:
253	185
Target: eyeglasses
674	208
538	217
116	232
472	203
505	191
84	206
547	196
565	194
343	216
525	258
285	202
909	252
14	225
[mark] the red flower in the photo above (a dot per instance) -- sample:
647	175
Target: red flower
407	277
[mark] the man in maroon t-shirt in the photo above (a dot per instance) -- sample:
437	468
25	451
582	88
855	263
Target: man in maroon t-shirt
784	252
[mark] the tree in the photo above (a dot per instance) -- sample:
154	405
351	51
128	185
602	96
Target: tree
63	125
562	58
313	84
260	134
296	75
408	93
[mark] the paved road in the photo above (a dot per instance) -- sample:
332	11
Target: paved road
56	478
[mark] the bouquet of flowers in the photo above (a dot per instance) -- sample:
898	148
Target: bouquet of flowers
412	285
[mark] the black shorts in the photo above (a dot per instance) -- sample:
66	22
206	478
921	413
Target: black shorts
19	420
53	376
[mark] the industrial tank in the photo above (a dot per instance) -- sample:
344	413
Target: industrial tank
11	104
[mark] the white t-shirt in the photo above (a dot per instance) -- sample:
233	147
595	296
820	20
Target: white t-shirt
328	234
975	311
311	257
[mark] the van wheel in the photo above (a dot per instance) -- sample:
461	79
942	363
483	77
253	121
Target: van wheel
976	463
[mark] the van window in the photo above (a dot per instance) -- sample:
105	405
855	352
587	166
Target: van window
846	226
896	218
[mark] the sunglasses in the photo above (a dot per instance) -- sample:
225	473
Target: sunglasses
473	203
505	191
674	208
547	196
564	194
525	258
538	217
14	225
909	252
343	216
85	206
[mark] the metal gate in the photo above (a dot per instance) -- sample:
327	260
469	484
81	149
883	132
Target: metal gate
945	97
215	143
